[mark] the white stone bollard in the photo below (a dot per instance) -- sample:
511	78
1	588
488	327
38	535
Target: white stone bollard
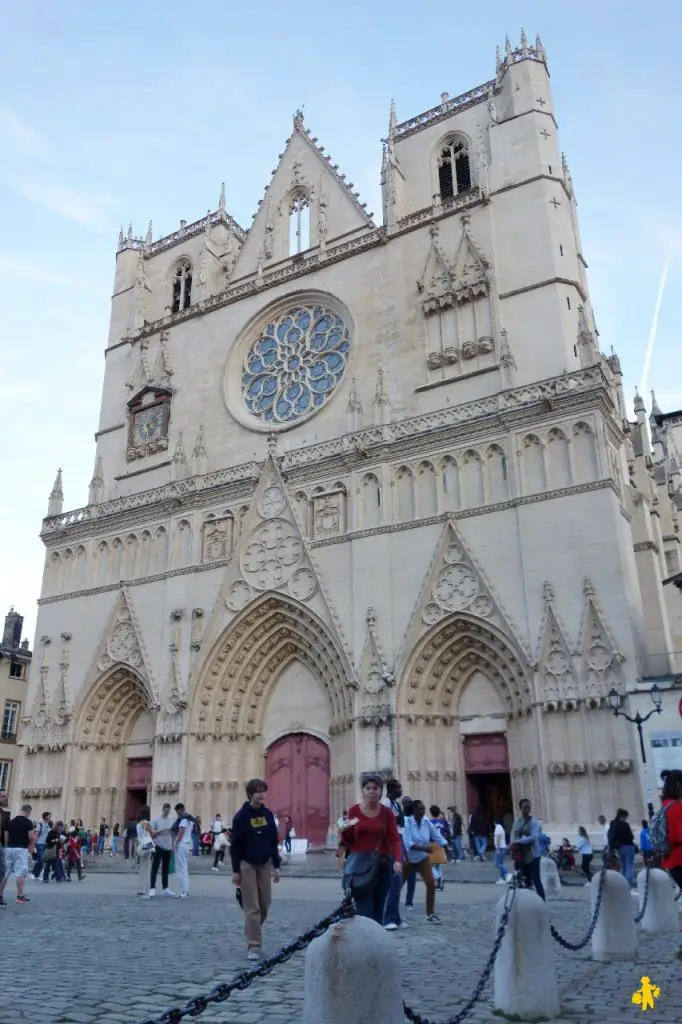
549	876
660	915
353	975
615	934
525	976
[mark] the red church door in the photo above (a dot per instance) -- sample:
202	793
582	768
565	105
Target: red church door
297	774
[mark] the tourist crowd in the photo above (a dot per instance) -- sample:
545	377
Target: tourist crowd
385	843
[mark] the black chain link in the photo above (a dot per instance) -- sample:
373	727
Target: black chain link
416	1018
575	946
242	981
646	896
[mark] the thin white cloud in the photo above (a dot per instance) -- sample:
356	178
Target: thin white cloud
41	189
19	137
34	271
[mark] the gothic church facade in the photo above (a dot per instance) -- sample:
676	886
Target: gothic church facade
361	498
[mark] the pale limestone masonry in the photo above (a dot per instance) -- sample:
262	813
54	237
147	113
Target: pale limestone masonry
416	514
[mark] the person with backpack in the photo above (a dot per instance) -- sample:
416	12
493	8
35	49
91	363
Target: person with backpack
666	827
42	829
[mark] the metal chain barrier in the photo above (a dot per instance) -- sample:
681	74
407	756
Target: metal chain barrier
646	896
575	946
242	981
416	1018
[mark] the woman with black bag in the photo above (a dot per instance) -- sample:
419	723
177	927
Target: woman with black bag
373	850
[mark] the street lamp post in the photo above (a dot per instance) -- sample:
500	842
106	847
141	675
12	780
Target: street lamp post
614	699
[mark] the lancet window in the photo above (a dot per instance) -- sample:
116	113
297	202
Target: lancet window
454	168
299	222
182	286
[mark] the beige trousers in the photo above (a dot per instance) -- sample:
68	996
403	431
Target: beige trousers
256	895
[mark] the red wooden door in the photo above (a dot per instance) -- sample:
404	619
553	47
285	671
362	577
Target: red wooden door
297	773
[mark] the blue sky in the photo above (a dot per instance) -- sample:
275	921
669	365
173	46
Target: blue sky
123	111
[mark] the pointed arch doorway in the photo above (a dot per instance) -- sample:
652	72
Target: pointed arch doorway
297	773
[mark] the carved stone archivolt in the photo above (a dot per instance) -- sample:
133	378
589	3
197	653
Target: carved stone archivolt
230	695
445	660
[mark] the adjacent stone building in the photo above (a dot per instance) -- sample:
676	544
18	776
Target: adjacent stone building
365	497
15	665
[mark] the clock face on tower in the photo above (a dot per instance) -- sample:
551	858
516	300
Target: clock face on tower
148	424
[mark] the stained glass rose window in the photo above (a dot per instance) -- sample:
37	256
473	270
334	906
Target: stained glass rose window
295	364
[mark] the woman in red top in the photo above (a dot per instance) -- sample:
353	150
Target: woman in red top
672	802
372	829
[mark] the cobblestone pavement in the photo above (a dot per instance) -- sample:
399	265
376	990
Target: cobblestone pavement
91	953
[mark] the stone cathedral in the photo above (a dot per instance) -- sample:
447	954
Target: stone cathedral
365	497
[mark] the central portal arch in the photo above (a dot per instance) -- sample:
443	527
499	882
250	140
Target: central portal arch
273	699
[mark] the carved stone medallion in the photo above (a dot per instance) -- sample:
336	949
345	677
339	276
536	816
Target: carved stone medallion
272	554
272	502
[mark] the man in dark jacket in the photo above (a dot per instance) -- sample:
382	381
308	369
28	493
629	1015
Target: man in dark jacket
255	856
479	828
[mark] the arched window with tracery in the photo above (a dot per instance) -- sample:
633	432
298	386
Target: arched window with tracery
299	222
454	168
182	286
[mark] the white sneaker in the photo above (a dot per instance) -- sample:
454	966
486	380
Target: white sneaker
501	881
408	906
214	869
391	927
152	892
588	885
183	895
253	954
404	924
168	892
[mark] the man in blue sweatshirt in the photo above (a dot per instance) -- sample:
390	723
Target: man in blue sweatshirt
255	856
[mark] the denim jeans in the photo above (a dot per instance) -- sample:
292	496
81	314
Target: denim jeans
100	844
160	858
499	863
392	909
195	844
627	862
56	867
114	845
481	845
40	854
372	903
457	848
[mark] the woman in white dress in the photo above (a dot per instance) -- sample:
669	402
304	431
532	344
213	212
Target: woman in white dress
145	848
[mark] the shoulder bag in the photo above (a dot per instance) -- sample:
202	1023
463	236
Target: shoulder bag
360	869
50	854
145	845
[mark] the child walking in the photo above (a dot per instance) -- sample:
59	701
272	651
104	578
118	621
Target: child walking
254	851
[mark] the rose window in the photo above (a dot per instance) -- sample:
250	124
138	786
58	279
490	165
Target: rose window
295	364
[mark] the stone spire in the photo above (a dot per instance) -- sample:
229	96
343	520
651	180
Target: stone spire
382	413
542	53
148	236
199	453
130	232
568	180
179	466
96	493
121	240
655	407
221	201
392	125
586	341
639	402
524	43
354	406
56	501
